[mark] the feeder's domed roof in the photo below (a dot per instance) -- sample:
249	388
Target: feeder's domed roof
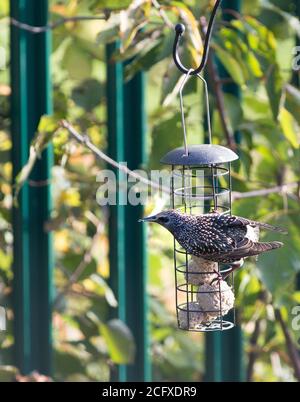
205	154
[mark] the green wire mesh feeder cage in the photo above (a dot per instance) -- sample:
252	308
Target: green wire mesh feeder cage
200	184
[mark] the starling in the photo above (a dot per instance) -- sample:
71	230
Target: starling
216	237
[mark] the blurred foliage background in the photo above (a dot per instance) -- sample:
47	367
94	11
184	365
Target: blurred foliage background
256	49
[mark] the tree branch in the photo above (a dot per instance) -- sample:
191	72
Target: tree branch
163	14
53	25
86	260
290	345
253	354
83	139
283	189
264	191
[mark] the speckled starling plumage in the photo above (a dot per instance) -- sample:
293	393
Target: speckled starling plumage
216	237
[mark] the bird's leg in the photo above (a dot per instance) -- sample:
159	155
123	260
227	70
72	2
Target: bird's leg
221	277
234	267
218	277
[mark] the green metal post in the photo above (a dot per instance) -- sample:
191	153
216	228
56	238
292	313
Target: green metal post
128	260
232	341
224	351
33	257
116	149
136	256
213	357
213	340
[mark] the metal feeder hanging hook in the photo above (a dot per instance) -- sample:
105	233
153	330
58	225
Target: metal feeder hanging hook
180	29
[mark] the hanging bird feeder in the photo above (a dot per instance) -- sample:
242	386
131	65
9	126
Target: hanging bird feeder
209	242
200	184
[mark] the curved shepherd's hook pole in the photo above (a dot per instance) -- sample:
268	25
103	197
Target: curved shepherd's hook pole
179	29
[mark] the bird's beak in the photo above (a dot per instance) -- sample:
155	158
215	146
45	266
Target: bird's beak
148	219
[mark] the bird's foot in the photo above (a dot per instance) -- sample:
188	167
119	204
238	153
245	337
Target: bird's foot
217	279
233	268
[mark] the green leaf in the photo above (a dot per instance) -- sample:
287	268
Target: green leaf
278	268
255	107
8	373
260	38
68	362
105	290
47	124
71	261
161	142
5	261
274	86
119	341
5	142
88	94
253	64
246	161
77	61
234	111
108	35
292	101
46	130
150	55
110	4
231	64
288	17
289	127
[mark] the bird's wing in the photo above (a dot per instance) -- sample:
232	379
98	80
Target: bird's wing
248	248
239	221
230	229
228	237
223	237
238	252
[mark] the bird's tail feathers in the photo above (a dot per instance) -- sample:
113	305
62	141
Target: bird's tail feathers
258	248
267	246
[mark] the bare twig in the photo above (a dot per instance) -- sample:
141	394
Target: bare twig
290	345
85	140
235	14
53	25
86	260
283	189
264	191
163	14
84	293
253	354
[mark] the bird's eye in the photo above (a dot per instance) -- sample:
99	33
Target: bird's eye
163	219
